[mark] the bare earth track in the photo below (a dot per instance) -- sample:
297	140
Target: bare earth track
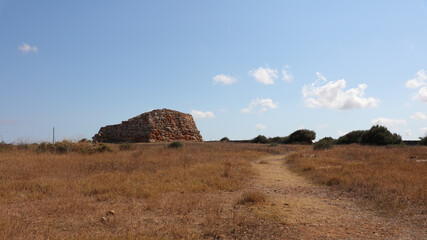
315	212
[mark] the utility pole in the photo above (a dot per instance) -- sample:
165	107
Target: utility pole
53	135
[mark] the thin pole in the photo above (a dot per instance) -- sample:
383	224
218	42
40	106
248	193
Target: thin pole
53	135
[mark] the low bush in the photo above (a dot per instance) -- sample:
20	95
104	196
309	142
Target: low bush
224	139
302	136
260	139
423	140
380	135
102	147
324	143
352	137
252	197
4	147
175	145
125	146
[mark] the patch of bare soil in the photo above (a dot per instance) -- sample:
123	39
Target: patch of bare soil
310	211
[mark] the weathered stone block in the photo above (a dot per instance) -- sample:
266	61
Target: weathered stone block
162	125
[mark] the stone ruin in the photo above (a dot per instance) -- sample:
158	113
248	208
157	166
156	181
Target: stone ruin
162	125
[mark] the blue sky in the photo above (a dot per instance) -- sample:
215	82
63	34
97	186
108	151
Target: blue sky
242	68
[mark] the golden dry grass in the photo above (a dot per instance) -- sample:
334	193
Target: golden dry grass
389	177
155	192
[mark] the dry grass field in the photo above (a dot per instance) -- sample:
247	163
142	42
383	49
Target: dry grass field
206	191
394	179
153	192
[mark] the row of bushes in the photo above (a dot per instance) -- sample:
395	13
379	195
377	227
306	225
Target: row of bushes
376	135
68	146
302	136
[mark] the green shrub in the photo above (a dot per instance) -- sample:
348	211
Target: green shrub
279	140
423	140
63	146
4	147
303	136
380	135
175	145
125	146
45	147
260	139
84	140
23	146
352	137
224	139
102	147
324	143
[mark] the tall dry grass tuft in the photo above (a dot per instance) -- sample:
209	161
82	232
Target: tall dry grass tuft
392	178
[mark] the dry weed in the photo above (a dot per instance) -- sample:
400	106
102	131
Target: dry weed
388	177
156	192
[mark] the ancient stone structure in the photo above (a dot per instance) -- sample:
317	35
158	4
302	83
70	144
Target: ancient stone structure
161	125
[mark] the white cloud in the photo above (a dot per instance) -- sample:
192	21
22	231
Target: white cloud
264	75
341	133
387	122
321	77
262	104
202	115
260	127
287	76
419	116
422	94
332	95
423	132
26	48
224	79
419	81
407	133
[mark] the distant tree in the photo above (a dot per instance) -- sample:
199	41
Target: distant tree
260	139
380	135
423	140
224	139
303	136
352	137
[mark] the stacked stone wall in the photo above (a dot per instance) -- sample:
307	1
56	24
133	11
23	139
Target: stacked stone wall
156	126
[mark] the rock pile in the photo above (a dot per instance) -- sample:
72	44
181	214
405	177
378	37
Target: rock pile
162	125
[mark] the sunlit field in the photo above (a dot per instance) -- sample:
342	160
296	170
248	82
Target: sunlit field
394	179
193	191
133	191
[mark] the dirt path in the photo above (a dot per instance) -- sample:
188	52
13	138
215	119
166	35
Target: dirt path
315	212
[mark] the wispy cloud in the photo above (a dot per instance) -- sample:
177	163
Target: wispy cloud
333	95
287	75
407	132
260	127
423	132
420	81
260	105
264	75
387	122
419	116
202	115
26	48
224	79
